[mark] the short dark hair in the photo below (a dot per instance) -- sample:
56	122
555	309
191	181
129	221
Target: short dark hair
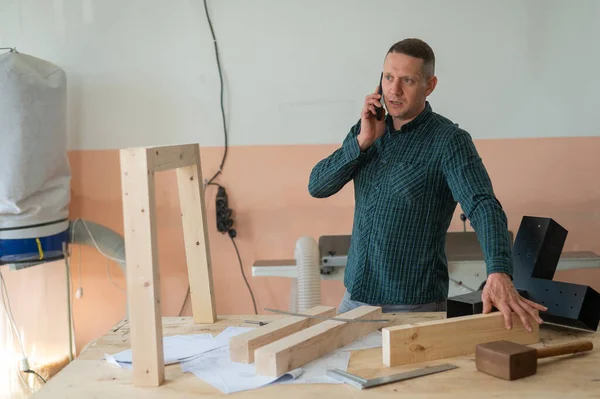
419	49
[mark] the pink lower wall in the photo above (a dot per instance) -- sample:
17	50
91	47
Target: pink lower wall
554	177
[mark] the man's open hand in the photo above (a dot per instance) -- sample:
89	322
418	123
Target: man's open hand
500	292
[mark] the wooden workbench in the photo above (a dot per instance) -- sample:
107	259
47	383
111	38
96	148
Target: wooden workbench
576	376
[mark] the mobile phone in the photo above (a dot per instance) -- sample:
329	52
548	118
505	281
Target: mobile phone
379	110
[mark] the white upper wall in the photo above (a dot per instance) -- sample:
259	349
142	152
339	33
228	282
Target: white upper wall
143	72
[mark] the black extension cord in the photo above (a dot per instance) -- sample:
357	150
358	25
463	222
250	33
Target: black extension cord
224	213
225	225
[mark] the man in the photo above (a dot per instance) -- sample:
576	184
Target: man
409	170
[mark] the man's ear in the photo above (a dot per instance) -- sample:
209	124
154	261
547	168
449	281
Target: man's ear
431	83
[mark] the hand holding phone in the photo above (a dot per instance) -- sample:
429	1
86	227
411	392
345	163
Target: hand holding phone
372	124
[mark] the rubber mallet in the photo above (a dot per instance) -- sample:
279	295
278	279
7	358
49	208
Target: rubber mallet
511	361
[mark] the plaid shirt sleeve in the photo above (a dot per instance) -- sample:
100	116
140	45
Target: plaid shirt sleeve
471	186
332	173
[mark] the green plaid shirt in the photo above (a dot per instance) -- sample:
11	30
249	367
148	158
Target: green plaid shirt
406	188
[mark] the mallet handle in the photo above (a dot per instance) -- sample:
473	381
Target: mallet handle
565	349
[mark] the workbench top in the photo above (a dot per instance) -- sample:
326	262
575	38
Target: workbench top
575	376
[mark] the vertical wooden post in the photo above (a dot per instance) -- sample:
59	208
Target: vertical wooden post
143	278
195	236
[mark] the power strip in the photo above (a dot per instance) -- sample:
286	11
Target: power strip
224	213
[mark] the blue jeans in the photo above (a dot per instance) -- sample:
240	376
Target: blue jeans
348	304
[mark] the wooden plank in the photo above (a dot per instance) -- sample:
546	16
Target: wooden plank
171	157
242	347
456	336
195	235
143	280
295	350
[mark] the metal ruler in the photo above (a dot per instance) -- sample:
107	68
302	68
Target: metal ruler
362	383
327	318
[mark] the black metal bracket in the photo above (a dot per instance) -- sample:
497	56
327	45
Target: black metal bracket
469	304
536	252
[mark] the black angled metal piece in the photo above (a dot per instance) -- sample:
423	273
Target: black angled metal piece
536	252
537	249
469	304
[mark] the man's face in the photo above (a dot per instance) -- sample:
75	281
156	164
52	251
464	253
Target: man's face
404	86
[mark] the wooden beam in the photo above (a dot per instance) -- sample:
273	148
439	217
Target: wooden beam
295	350
143	280
195	236
242	347
172	157
456	336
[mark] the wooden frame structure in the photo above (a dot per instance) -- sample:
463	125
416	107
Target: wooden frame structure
138	166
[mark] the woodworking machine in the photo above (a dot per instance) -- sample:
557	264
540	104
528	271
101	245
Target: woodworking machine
466	264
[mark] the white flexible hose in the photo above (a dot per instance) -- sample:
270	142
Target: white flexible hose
309	276
109	243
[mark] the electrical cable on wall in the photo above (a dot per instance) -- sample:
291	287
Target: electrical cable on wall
68	255
243	274
9	313
224	213
24	365
222	92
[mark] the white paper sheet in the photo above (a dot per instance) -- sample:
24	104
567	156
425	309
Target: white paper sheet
176	348
216	369
111	360
373	340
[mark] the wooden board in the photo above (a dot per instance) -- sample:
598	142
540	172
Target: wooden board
195	237
242	347
143	280
171	157
456	336
311	343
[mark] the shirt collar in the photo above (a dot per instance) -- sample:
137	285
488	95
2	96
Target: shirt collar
419	120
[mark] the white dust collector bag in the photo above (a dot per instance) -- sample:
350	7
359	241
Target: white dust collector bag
34	169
